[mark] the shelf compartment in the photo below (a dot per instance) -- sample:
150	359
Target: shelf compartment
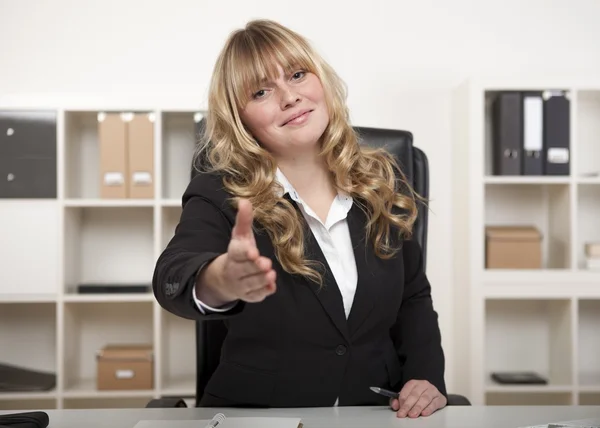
588	224
28	404
589	344
179	140
513	398
108	246
30	233
588	134
91	326
178	356
544	329
170	219
547	207
106	403
589	398
30	331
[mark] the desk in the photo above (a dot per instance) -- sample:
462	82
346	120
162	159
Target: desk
340	417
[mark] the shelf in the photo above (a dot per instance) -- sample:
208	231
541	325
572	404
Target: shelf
28	404
115	297
519	389
23	396
86	388
27	298
588	132
178	354
540	180
175	203
108	246
541	277
91	326
547	207
589	344
108	203
588	221
544	333
513	398
555	290
588	180
179	137
30	331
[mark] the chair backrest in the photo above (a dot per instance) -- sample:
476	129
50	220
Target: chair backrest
413	162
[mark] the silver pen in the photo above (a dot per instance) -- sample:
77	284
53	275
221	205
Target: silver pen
384	392
217	419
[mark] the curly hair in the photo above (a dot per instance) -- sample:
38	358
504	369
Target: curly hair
370	176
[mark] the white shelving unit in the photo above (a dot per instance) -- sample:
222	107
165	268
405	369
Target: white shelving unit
545	320
52	245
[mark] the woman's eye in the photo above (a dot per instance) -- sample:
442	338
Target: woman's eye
259	94
298	75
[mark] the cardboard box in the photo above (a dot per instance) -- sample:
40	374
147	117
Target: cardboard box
128	367
592	250
513	247
140	142
112	138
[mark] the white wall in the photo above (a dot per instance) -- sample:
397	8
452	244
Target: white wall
400	59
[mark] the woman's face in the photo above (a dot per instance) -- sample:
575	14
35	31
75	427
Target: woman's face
288	115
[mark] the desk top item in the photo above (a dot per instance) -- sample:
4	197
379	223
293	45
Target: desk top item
35	419
517	377
233	422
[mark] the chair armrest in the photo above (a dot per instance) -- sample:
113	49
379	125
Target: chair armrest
166	402
458	400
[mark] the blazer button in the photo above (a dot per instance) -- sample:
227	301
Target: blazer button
340	350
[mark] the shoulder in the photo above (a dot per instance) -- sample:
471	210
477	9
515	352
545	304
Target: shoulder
209	187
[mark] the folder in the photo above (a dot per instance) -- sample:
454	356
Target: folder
507	138
533	133
140	142
556	133
112	138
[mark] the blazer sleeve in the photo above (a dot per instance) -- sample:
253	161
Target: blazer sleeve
203	233
416	333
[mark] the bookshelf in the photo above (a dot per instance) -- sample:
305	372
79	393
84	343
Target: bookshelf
543	320
79	237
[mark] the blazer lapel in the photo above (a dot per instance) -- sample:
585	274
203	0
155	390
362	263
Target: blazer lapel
329	295
367	287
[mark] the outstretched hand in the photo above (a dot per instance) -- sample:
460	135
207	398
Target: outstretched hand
418	398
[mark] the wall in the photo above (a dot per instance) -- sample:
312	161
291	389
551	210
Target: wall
400	59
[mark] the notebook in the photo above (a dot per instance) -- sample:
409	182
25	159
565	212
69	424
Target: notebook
232	422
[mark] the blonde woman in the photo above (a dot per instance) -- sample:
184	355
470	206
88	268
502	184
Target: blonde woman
300	239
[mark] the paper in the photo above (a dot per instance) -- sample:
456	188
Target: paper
234	422
583	423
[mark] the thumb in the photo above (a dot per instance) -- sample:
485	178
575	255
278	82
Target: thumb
394	404
243	220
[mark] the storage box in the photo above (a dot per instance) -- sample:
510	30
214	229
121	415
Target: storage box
128	367
592	250
513	247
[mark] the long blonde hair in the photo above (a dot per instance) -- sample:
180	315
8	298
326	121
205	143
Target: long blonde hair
371	176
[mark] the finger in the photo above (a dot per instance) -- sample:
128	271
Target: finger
411	400
432	407
250	268
394	404
405	392
258	281
241	251
424	401
243	220
260	294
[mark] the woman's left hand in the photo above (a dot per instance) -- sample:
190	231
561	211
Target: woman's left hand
418	398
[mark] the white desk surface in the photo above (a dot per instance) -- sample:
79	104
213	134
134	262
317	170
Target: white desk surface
342	417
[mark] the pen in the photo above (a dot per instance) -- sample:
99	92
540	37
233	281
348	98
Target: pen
216	420
385	392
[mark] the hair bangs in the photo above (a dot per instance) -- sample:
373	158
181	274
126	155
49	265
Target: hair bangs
255	58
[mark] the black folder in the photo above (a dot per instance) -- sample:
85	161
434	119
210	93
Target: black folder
557	127
21	379
507	125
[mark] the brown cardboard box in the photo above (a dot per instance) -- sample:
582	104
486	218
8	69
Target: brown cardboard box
128	367
140	141
513	247
592	250
112	139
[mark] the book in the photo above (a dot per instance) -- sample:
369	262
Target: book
229	422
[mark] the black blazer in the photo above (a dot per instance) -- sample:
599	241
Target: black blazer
296	348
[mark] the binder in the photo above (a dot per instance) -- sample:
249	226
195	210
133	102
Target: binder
112	140
533	133
557	133
140	143
507	138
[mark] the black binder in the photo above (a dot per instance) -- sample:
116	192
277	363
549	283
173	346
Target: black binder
533	133
507	125
557	127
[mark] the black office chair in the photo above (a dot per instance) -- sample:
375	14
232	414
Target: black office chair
413	161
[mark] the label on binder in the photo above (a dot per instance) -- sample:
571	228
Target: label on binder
124	374
558	155
113	179
143	178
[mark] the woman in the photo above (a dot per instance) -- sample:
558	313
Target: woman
300	239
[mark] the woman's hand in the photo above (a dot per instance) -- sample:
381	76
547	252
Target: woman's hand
241	273
418	398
